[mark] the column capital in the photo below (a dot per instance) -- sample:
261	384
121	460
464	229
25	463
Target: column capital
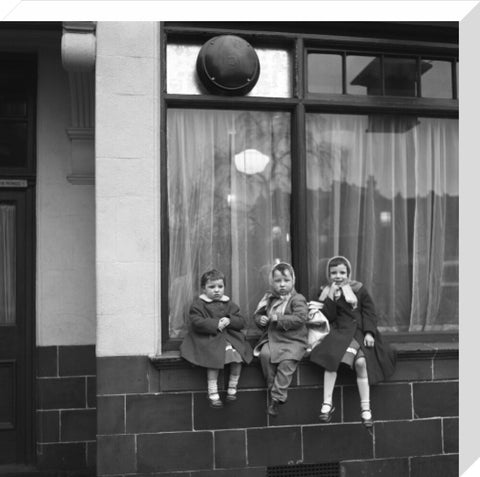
78	46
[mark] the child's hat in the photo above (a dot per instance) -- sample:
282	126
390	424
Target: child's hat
349	265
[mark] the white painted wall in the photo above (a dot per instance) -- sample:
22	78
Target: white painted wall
65	219
127	187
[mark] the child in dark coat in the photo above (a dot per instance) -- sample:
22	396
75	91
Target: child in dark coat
215	338
281	315
353	339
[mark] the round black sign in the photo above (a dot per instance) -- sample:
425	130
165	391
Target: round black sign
228	64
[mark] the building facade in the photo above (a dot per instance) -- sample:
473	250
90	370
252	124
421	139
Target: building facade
136	155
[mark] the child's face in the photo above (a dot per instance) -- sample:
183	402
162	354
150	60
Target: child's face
339	274
282	282
214	289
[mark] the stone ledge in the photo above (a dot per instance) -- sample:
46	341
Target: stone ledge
406	351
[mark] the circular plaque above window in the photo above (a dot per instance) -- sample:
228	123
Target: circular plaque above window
228	64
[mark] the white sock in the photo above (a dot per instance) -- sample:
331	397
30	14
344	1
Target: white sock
213	389
326	407
232	384
365	409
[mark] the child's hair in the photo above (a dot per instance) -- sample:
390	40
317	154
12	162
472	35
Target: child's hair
283	267
335	261
212	275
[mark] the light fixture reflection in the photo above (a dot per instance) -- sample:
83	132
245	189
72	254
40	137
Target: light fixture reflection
251	161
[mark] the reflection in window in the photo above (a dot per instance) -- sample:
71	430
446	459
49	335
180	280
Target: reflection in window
324	73
400	76
437	79
228	203
364	75
7	265
384	193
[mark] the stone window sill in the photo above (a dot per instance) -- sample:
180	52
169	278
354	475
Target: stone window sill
406	351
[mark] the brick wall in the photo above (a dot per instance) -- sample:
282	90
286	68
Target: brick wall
153	417
66	408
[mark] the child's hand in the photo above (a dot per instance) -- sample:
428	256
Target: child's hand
223	323
264	320
315	305
369	340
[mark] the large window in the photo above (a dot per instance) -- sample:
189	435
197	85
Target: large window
357	156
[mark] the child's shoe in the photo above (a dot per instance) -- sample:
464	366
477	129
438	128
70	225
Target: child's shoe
366	416
272	409
326	412
215	401
231	394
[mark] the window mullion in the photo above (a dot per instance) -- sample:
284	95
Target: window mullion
299	70
298	209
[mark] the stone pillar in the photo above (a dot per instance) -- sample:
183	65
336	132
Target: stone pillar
127	188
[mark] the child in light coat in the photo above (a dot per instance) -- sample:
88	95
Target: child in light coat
281	314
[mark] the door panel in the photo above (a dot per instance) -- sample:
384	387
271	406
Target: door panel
15	372
7	396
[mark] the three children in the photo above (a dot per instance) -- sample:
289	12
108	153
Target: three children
215	337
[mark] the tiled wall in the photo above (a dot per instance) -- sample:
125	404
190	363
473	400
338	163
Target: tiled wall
66	408
153	417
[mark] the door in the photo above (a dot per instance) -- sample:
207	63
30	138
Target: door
16	304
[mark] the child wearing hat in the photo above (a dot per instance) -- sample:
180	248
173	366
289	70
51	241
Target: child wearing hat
353	339
281	314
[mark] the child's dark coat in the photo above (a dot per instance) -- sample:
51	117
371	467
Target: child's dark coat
347	323
204	345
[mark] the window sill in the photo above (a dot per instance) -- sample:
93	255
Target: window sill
406	351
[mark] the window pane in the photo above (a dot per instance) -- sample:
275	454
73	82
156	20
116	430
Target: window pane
324	73
383	191
13	144
400	76
364	75
228	203
437	79
8	265
12	106
275	78
13	94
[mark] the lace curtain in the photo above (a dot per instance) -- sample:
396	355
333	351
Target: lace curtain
229	200
383	191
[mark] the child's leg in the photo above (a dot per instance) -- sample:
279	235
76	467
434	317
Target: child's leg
235	371
268	368
212	379
329	379
283	378
363	387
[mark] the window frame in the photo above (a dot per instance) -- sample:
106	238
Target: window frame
418	57
299	104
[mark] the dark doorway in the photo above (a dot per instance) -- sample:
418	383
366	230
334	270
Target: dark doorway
16	323
18	85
